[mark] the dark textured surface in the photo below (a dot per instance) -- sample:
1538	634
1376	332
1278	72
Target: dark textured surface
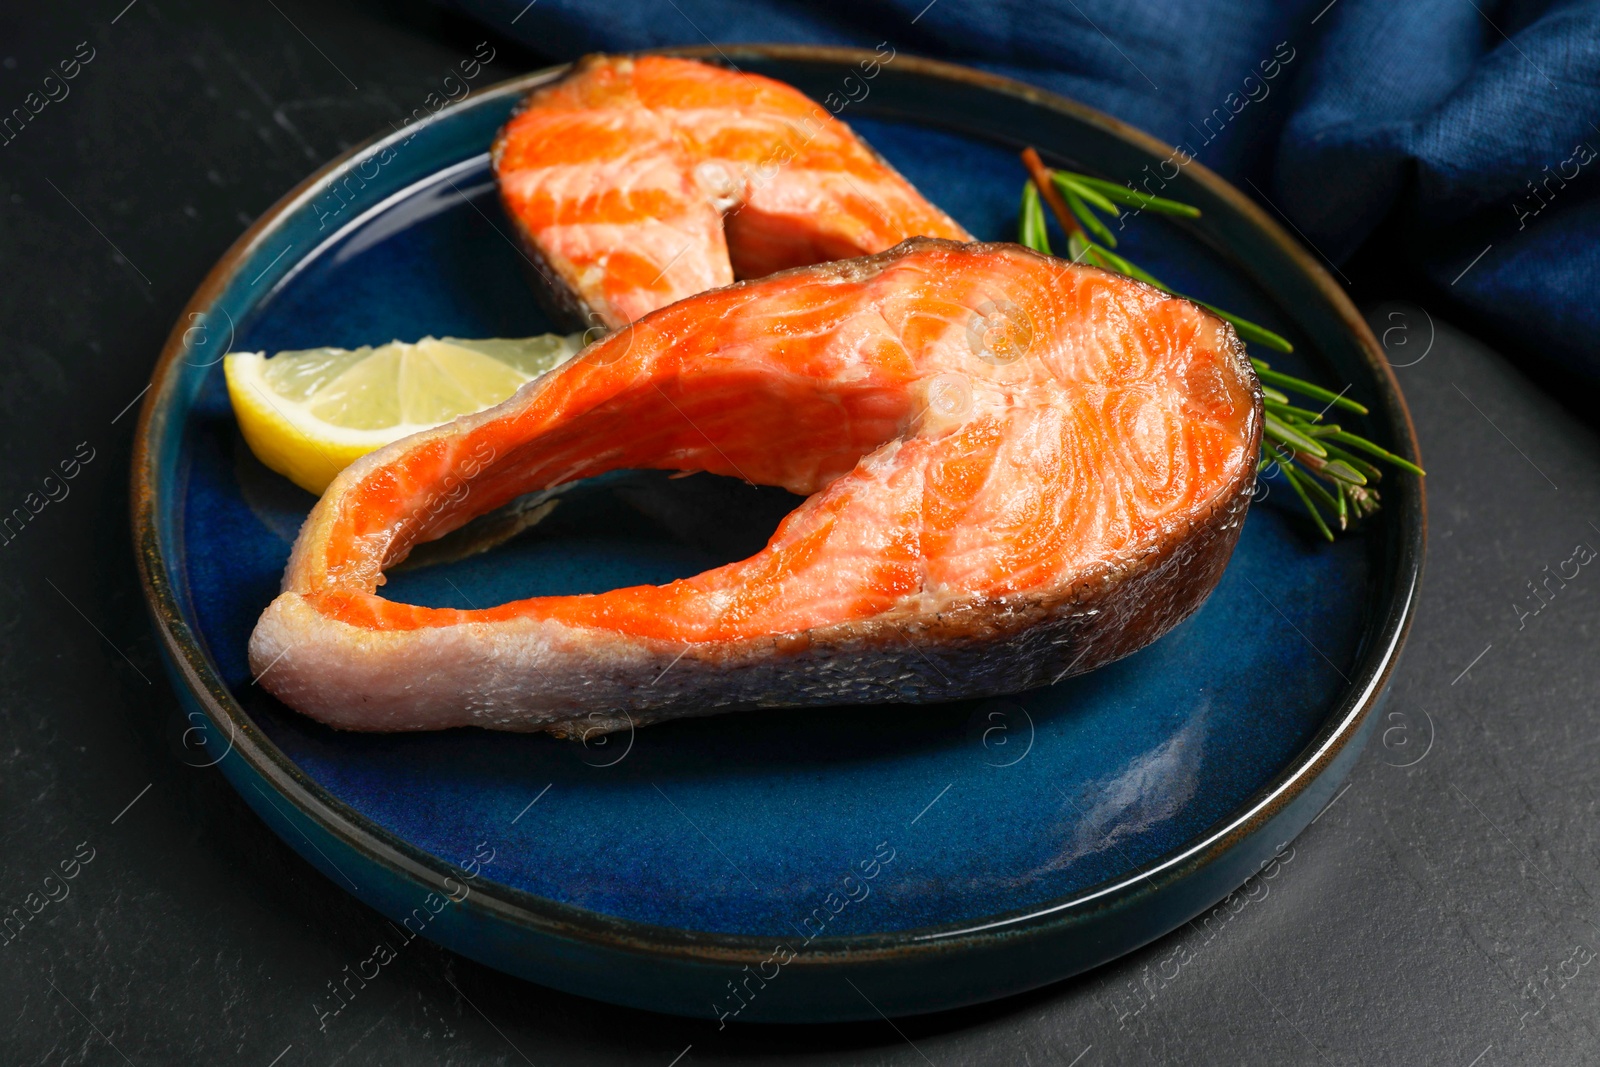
1438	913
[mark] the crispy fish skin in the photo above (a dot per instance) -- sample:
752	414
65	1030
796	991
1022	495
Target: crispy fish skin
635	182
1079	498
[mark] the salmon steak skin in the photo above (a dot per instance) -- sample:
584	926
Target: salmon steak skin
635	182
1016	469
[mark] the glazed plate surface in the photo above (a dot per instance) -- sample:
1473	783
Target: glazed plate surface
933	856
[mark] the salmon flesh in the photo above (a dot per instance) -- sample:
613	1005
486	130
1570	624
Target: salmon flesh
1016	469
636	182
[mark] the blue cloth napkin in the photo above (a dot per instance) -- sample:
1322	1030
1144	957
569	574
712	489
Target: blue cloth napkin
1466	133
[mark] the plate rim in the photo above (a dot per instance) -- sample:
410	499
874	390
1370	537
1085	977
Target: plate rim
541	915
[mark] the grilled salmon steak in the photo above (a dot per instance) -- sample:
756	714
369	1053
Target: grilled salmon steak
638	182
1016	469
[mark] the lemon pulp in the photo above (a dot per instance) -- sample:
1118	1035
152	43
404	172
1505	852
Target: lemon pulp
309	414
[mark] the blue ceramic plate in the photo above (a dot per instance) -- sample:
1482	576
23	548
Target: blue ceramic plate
794	866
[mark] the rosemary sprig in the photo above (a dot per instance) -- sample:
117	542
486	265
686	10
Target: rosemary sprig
1317	459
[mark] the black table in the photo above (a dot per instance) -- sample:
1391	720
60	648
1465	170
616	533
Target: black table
1439	911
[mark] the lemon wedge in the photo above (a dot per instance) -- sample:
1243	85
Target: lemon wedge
310	414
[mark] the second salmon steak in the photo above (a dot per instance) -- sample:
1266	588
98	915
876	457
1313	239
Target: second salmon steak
1016	469
636	182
